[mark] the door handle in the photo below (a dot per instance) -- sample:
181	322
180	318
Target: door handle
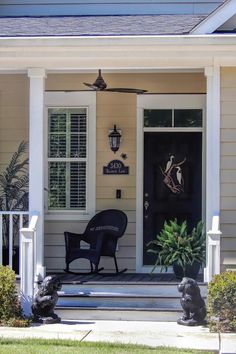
146	205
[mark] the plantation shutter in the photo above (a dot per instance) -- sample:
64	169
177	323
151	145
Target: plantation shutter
67	158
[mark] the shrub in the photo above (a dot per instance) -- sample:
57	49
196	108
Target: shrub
222	302
10	310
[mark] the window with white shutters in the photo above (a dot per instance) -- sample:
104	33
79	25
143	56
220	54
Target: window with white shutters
67	158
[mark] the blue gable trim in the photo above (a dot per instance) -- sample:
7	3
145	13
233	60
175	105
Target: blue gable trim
105	7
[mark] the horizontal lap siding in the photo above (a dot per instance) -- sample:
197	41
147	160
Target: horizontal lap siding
119	109
228	167
14	115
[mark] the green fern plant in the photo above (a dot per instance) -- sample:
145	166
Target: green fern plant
175	244
14	185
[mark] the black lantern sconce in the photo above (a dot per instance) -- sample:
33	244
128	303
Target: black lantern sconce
114	139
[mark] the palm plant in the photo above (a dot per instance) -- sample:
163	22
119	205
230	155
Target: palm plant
14	184
175	245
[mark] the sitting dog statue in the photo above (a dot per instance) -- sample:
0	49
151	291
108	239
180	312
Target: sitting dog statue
45	301
192	303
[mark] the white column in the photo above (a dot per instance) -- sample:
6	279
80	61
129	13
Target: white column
36	159
212	146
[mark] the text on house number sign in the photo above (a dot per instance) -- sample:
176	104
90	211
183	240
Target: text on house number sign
115	167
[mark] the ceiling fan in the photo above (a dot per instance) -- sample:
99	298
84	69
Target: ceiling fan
100	85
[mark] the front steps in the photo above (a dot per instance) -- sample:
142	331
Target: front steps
121	300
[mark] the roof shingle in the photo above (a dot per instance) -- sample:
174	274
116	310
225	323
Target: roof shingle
98	25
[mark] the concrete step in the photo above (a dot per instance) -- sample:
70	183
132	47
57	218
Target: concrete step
114	313
105	298
153	289
125	300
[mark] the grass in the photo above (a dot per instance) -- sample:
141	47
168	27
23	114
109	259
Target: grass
42	346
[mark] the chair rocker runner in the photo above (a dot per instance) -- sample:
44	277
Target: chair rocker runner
101	234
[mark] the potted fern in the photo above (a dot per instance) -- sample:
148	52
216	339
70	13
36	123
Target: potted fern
14	184
177	247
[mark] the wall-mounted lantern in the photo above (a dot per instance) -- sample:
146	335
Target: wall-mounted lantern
114	139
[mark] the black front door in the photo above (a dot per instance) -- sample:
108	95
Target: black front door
172	182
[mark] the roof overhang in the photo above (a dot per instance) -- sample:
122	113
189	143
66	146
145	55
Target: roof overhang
141	52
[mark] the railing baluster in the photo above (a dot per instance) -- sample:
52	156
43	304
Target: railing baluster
10	215
21	222
10	240
1	239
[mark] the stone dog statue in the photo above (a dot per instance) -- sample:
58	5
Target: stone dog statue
192	303
45	301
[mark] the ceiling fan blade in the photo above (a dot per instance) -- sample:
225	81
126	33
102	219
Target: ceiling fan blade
95	88
100	85
125	90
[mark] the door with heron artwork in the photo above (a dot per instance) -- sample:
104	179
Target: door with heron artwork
172	169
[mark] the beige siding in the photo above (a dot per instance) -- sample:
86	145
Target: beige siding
119	109
14	112
112	108
228	167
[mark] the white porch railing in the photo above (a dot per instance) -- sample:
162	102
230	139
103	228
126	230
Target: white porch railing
10	224
213	250
28	265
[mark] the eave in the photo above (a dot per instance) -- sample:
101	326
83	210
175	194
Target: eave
136	52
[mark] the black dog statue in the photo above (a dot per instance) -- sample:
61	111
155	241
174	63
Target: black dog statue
45	300
192	303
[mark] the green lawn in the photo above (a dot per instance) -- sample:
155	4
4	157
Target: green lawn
37	346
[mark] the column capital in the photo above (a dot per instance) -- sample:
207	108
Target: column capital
209	71
37	73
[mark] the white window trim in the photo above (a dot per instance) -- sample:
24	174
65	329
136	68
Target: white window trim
161	101
75	100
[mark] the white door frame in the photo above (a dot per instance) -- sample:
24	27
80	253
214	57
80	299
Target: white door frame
162	101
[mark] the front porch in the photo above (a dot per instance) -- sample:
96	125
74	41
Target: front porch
105	108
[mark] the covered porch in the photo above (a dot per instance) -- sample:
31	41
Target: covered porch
149	64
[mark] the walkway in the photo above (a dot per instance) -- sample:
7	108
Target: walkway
147	333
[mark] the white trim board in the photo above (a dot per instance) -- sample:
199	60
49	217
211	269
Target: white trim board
70	100
161	102
216	19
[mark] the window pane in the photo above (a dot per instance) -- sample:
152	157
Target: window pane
157	118
57	133
78	185
57	145
78	135
57	121
188	117
63	176
57	185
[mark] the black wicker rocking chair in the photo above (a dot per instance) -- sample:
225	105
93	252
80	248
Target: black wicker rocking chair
101	234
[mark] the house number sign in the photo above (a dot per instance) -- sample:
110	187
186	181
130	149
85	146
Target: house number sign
115	167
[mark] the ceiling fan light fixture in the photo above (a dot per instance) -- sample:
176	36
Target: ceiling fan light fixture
100	85
100	82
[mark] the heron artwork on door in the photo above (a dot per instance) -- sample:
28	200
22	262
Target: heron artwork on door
173	175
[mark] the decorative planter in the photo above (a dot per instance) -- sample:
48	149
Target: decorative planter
5	258
191	270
